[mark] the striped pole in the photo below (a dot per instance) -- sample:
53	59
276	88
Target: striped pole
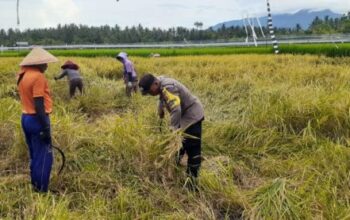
272	32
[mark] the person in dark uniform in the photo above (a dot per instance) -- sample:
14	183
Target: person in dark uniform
186	113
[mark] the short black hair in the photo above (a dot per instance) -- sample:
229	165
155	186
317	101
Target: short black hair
146	82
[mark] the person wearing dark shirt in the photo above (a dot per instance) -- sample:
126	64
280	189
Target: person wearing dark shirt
71	71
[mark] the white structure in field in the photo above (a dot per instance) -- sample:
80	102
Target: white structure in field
250	24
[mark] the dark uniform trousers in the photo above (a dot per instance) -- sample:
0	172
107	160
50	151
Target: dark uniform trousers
192	146
74	84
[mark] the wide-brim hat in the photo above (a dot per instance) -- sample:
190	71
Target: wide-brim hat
70	65
38	56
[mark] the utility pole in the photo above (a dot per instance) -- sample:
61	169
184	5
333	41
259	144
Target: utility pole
271	29
17	12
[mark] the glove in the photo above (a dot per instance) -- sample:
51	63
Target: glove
129	84
45	135
56	78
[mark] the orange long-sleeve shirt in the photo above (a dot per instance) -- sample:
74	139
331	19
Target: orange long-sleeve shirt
34	84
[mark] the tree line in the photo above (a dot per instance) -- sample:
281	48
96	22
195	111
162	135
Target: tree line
330	25
83	34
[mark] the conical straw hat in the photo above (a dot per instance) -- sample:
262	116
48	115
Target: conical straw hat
38	56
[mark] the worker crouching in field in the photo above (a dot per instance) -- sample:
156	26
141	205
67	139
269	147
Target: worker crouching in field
71	70
130	76
36	105
186	112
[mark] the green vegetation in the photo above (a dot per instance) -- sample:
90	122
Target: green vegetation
331	50
147	51
83	34
276	142
328	25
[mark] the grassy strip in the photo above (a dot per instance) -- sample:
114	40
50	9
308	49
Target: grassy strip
145	52
331	50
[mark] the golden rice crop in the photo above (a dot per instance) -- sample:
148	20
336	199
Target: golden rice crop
275	142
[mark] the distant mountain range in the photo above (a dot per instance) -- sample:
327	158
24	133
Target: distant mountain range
303	17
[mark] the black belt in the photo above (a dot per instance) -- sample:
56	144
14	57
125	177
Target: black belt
34	114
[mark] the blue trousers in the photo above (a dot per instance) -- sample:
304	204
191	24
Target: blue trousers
40	153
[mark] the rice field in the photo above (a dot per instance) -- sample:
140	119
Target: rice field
275	142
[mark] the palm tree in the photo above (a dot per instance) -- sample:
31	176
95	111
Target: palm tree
198	24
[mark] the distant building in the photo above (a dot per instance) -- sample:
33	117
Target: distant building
21	44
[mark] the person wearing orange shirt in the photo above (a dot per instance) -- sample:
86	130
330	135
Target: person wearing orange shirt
36	105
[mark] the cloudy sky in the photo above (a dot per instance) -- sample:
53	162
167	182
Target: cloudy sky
152	13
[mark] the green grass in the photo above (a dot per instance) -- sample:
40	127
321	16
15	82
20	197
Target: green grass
148	51
331	50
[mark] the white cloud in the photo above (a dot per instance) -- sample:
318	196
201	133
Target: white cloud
59	11
151	13
53	12
39	13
